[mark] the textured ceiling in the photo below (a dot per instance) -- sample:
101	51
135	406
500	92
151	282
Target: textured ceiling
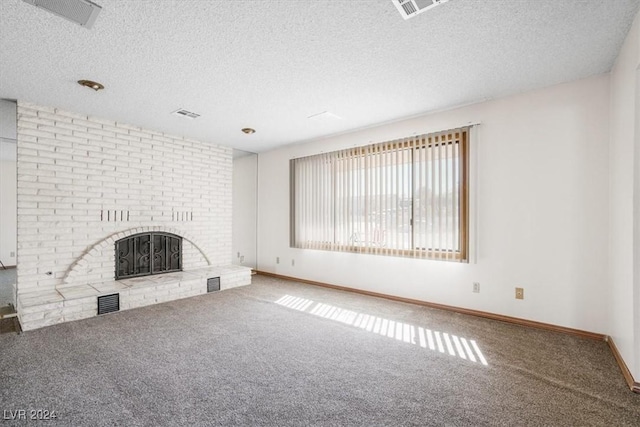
271	64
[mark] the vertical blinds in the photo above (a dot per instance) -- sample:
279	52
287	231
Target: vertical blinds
406	197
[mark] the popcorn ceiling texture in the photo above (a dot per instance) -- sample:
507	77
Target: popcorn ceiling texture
84	182
271	64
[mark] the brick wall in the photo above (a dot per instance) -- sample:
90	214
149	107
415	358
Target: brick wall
83	180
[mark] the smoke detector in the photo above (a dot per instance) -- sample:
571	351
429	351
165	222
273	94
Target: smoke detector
181	112
82	12
410	8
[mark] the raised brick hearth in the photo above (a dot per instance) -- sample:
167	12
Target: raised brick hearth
46	308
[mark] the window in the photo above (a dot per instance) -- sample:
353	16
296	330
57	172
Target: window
406	198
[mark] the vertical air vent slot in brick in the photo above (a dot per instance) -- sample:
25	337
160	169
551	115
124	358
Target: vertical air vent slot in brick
114	215
182	216
108	303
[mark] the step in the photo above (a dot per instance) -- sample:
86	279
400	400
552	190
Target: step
44	308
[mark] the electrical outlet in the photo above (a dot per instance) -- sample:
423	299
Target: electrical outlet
12	254
238	255
241	259
519	293
277	260
293	263
476	287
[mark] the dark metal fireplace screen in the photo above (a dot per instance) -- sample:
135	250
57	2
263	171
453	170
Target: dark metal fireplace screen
148	253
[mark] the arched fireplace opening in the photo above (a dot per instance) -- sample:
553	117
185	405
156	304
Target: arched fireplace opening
144	254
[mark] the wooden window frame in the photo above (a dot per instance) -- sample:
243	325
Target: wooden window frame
428	141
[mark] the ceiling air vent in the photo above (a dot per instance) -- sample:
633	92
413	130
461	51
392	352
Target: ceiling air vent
186	114
410	8
82	12
325	116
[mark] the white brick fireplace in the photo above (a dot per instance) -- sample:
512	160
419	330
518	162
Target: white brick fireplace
85	182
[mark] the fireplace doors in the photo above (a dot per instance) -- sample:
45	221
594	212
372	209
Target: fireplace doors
144	254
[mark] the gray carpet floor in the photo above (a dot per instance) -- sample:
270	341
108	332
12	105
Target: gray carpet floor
287	354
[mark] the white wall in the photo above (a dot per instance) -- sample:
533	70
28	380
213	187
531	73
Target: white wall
542	215
8	215
245	187
8	119
636	234
8	208
624	203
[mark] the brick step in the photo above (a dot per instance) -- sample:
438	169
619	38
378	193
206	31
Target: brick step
38	309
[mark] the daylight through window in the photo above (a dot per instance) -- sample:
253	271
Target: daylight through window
406	198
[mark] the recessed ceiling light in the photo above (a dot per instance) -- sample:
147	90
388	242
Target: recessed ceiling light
248	131
93	85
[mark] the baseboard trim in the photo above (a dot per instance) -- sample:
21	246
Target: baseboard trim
626	373
478	313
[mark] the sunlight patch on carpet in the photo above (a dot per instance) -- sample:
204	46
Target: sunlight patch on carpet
445	343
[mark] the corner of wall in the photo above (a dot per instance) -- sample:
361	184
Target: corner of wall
624	202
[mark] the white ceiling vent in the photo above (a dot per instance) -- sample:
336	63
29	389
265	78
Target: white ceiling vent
181	112
410	8
325	116
82	12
